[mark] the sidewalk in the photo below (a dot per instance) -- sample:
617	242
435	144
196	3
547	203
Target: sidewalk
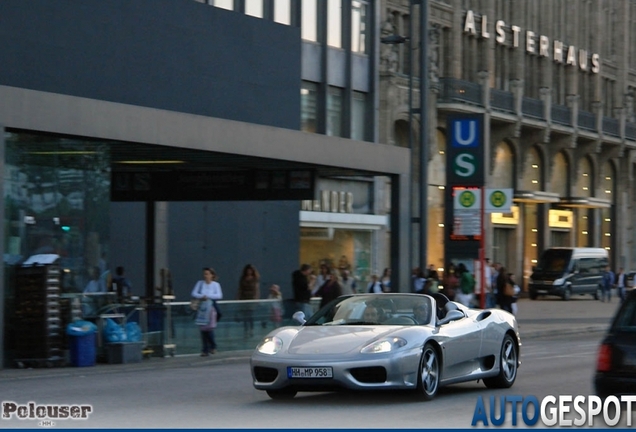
537	318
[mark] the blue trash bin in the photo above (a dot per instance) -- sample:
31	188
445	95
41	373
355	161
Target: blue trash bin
82	343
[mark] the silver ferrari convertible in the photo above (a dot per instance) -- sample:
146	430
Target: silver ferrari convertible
388	341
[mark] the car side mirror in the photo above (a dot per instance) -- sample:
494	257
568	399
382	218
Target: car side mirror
451	316
299	317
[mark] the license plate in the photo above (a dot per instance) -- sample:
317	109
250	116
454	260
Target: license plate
309	372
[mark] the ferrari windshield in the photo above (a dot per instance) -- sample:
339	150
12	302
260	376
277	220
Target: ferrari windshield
375	309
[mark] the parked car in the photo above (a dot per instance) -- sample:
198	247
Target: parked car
565	272
616	362
389	341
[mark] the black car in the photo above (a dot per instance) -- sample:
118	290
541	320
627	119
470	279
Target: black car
616	362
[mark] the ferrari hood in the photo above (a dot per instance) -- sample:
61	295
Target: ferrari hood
334	340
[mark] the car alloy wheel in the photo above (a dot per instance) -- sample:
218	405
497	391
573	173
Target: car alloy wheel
429	373
508	365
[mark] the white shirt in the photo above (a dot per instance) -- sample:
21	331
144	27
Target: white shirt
210	290
375	288
621	280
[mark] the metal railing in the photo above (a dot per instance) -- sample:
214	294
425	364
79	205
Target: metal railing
454	90
561	114
611	126
502	100
532	108
587	121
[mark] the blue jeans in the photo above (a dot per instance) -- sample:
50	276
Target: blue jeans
306	308
207	338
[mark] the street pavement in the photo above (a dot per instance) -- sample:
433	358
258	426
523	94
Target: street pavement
539	318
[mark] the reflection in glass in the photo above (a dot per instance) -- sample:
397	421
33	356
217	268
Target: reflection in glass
57	200
334	23
309	28
254	8
309	110
334	111
224	4
359	26
282	11
357	116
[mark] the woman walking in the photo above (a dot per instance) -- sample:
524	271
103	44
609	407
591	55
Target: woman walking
207	291
249	289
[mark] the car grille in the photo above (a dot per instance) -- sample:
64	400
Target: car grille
265	374
376	374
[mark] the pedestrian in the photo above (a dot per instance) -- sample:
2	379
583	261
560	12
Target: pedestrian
491	301
322	276
466	285
302	290
385	280
330	289
248	290
505	284
375	286
276	299
451	282
608	282
121	284
620	284
419	281
207	290
348	282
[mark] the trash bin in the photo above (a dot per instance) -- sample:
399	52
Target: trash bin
82	343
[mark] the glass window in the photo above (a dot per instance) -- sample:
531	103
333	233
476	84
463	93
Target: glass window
359	11
334	111
309	28
334	23
358	115
309	110
254	8
282	11
224	4
57	201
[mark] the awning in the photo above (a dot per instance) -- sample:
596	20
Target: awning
537	197
585	202
343	220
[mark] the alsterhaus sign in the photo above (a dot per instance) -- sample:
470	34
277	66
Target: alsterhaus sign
534	44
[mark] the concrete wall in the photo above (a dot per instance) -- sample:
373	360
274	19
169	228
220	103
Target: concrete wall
177	55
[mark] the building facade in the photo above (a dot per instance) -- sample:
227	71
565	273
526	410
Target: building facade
554	81
162	134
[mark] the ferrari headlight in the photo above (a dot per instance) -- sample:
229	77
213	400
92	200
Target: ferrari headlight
384	345
270	345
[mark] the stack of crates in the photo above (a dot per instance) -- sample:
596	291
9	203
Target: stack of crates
38	312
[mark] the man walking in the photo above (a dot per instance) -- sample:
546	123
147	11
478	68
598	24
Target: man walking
302	292
608	282
620	284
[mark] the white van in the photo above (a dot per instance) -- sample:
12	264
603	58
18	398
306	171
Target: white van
565	272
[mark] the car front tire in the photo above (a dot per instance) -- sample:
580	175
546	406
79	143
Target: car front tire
429	374
508	364
283	394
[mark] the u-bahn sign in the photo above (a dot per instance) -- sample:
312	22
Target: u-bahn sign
465	150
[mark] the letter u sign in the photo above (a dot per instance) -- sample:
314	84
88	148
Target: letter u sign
465	133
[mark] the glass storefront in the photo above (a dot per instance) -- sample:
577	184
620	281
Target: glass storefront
57	197
339	248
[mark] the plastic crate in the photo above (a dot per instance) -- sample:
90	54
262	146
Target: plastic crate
124	352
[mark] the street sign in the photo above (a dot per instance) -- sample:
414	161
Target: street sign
499	200
465	150
466	212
